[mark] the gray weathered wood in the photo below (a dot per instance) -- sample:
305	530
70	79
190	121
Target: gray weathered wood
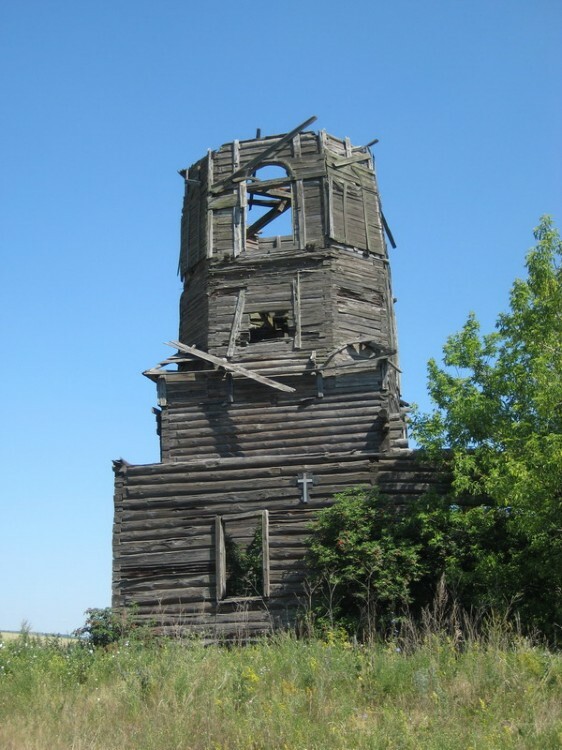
230	366
236	322
265	154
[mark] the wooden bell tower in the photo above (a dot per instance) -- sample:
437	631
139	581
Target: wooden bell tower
284	387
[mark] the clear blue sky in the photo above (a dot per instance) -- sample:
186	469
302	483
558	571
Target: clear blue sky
103	101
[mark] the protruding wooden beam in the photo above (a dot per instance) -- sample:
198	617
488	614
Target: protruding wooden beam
388	232
229	367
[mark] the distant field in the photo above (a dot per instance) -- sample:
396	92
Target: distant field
10	635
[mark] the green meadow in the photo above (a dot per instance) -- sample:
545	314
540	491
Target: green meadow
424	691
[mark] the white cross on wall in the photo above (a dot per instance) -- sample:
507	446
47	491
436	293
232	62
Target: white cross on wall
305	480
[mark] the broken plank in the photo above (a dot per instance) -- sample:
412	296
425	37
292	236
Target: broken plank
229	366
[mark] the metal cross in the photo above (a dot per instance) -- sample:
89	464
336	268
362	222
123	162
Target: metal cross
305	480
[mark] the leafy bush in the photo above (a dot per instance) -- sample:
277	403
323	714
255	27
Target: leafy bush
244	565
363	561
105	626
371	562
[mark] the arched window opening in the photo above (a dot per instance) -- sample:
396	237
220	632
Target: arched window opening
269	203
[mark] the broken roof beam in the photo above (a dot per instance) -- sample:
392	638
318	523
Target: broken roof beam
282	193
279	208
384	351
159	368
229	367
265	154
265	186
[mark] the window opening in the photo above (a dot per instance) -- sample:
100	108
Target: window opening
270	325
362	350
242	556
269	203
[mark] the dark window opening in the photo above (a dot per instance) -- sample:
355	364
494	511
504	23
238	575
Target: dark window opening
362	350
243	546
242	556
270	200
270	325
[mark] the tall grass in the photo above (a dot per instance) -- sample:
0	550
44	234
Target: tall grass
432	689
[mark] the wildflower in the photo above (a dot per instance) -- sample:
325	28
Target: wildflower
249	675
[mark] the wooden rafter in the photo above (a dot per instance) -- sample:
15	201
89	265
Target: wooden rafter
229	366
280	208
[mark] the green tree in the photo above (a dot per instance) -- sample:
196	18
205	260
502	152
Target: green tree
499	413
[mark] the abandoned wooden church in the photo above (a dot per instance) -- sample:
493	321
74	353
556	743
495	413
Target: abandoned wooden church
285	388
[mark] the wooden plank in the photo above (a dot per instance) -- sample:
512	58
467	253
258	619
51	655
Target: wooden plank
236	322
280	207
350	160
265	553
224	201
388	232
297	311
239	222
297	146
267	186
229	366
210	220
300	215
220	560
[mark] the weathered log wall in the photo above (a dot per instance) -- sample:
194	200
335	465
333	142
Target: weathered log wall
346	396
165	531
332	296
199	420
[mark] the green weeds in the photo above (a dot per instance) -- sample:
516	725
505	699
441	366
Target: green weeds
280	694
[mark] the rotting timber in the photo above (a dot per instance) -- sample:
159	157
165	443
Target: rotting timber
284	388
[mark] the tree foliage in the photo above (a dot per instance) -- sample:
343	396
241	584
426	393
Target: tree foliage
371	563
363	561
106	626
498	421
497	428
499	396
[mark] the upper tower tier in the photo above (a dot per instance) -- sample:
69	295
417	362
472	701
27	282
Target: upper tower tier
283	250
286	305
328	187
